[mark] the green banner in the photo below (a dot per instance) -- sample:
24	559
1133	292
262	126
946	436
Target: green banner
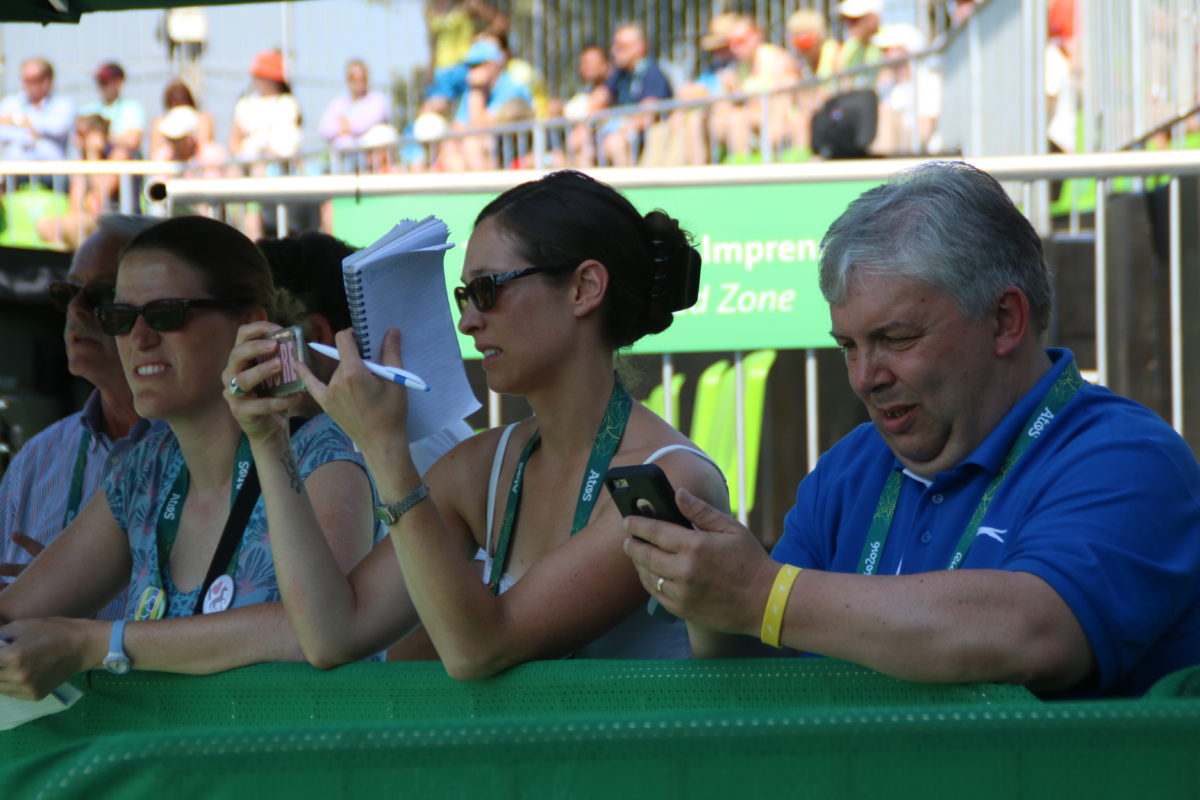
759	246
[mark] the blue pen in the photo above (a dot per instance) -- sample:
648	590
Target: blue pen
393	374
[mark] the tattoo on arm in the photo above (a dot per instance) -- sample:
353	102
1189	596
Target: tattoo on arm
293	471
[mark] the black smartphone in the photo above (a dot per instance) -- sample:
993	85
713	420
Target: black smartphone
643	490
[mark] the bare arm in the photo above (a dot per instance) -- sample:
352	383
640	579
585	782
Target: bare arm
947	626
568	597
319	529
83	569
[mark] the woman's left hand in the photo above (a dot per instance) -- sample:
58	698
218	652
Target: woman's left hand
263	417
42	653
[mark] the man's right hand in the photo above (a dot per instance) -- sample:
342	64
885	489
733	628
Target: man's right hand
716	575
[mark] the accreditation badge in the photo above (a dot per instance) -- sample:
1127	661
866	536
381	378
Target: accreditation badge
219	595
151	605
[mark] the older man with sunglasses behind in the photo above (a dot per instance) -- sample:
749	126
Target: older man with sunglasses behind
55	473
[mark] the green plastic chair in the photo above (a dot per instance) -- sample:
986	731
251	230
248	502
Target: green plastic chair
707	412
22	209
714	425
655	401
756	367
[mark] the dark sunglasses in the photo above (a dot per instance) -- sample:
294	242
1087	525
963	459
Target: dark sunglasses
94	294
161	315
482	291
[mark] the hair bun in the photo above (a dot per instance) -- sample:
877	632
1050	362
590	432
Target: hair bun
676	279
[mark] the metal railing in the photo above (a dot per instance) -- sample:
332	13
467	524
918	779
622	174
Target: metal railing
14	172
1021	174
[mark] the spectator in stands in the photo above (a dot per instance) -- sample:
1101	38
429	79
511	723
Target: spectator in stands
1062	90
35	123
431	124
696	132
453	26
552	581
809	36
861	19
594	69
359	118
89	196
906	95
126	118
1031	528
489	87
816	57
266	125
636	80
56	472
962	10
759	67
182	139
184	287
178	95
266	120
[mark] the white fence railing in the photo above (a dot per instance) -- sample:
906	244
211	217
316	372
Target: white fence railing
1025	176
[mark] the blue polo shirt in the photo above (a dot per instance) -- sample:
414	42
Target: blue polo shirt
645	81
1104	506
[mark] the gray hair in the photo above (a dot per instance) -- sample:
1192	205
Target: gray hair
946	224
125	226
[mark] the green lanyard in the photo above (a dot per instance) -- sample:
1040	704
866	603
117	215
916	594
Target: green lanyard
612	428
76	493
1060	393
153	603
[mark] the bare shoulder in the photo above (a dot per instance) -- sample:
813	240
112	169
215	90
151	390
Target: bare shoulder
459	479
647	434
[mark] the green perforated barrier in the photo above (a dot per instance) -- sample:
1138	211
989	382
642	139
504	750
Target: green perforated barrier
790	728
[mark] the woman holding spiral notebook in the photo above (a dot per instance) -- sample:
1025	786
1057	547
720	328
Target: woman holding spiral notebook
511	549
180	520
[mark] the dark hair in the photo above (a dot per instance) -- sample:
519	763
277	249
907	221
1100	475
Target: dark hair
177	93
567	216
947	224
309	266
230	266
93	122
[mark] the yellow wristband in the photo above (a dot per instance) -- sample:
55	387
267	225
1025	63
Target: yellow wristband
772	624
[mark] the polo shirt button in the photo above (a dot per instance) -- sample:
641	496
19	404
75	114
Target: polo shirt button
927	537
937	499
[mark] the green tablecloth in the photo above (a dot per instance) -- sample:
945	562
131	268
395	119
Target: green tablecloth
795	728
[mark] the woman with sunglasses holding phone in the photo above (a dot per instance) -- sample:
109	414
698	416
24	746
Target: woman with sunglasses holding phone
511	549
180	520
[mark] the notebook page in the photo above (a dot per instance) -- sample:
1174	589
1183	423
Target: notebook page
14	712
407	290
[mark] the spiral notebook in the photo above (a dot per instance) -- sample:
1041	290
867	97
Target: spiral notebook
399	282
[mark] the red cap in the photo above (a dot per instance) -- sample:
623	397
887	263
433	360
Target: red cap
268	65
110	72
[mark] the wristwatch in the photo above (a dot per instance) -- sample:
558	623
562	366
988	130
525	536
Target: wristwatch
116	661
390	513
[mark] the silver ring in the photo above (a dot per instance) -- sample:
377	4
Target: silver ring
658	586
234	389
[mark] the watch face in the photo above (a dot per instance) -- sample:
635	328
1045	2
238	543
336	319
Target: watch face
117	665
384	515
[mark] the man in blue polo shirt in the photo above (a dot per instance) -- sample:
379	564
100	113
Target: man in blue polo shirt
999	519
636	79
